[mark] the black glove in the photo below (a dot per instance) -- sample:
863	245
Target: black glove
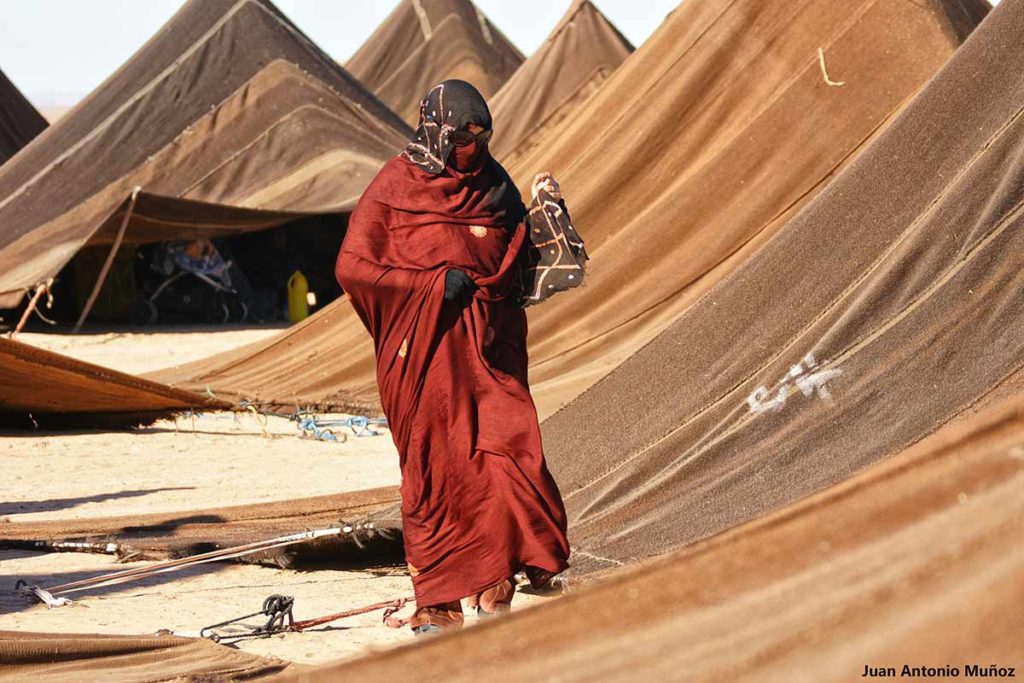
458	287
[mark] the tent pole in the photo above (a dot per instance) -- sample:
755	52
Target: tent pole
110	260
41	288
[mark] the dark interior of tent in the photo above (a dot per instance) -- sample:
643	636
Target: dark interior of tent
236	276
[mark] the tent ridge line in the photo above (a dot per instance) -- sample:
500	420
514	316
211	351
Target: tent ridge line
416	50
171	68
266	132
136	96
424	20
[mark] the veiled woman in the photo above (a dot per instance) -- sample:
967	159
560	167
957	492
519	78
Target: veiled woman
429	263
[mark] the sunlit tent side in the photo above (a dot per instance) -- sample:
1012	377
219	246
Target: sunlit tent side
423	42
39	388
229	104
886	307
575	59
914	560
688	161
20	122
683	164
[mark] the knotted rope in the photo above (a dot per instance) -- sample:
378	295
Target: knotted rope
152	569
278	610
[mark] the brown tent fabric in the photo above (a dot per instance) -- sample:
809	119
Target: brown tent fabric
423	42
155	218
20	122
227	104
684	164
888	306
915	561
42	388
170	535
705	143
326	361
575	59
62	657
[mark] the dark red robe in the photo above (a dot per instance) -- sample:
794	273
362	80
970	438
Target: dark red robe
478	503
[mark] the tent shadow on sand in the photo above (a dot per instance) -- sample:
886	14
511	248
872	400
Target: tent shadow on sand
32	506
12	601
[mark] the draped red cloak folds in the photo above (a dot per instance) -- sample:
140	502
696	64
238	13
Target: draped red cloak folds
478	503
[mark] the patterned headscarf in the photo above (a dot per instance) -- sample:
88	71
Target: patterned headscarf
450	106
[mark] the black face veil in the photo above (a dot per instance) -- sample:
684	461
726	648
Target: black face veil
450	106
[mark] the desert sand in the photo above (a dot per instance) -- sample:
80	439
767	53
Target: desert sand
196	463
144	349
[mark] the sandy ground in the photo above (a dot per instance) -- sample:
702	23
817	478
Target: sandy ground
213	461
187	601
144	349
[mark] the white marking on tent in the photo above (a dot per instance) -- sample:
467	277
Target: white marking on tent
824	71
799	378
484	28
424	20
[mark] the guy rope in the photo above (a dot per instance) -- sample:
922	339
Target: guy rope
278	611
54	596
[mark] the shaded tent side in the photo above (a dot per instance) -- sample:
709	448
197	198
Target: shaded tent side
58	657
227	104
885	308
914	560
575	59
171	535
20	122
40	388
423	42
683	165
